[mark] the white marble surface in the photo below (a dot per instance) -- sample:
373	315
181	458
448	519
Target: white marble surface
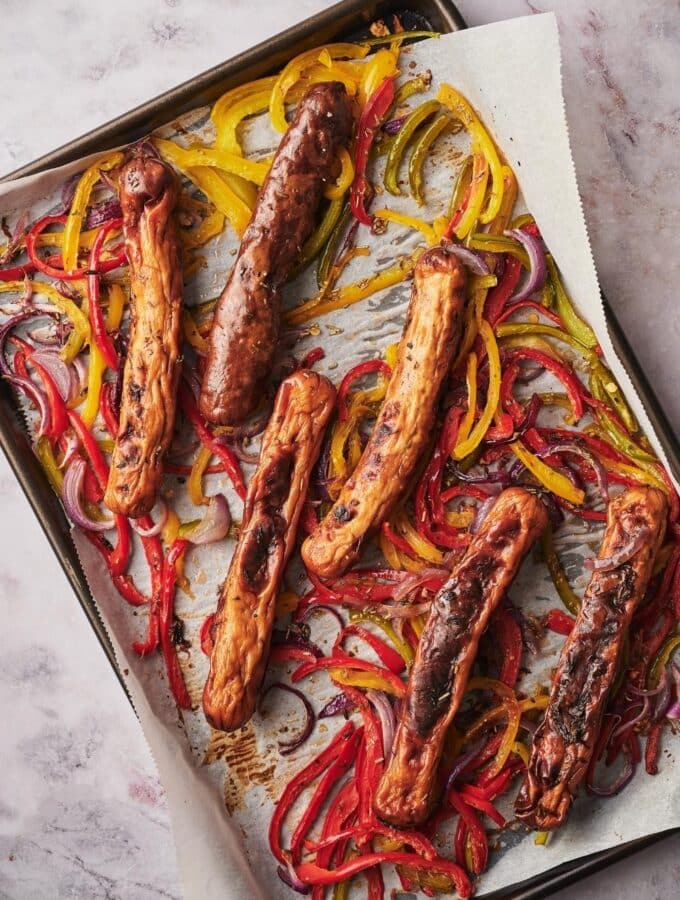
82	813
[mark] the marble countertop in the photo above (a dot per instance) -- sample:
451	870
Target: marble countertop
82	813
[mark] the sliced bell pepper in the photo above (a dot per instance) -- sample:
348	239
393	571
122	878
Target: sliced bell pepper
464	448
396	153
559	622
550	478
440	125
557	573
570	319
344	667
475	198
372	117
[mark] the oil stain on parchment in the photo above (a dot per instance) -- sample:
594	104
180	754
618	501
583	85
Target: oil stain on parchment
245	764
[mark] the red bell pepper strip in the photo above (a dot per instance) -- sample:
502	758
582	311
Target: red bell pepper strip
17	273
652	748
99	333
120	555
484	806
499	295
153	550
312	357
118	259
371	118
287	654
342	809
205	634
371	761
398	541
111	418
528	304
561	370
58	419
298	784
123	583
360	833
165	616
349	662
228	458
559	622
310	873
508	639
364	368
339	767
479	843
388	656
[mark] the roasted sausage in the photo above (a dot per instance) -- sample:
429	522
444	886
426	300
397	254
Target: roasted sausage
563	744
246	325
446	652
149	191
242	627
404	424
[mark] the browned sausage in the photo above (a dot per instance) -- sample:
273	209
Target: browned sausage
243	623
246	325
149	190
563	744
404	425
446	652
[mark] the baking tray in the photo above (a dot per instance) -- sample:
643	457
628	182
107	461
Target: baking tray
347	19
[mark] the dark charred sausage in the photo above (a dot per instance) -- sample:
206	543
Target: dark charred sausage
563	744
403	427
446	652
243	622
246	325
149	190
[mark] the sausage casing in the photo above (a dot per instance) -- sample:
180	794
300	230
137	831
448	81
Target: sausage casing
243	622
446	652
404	424
149	190
564	742
247	318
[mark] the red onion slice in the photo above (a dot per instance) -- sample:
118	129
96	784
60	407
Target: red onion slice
619	782
71	494
388	724
338	704
538	271
626	553
481	514
157	527
287	747
214	526
60	373
578	450
288	876
401	610
5	329
37	397
416	580
474	261
673	712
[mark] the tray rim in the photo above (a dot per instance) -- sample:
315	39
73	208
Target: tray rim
148	115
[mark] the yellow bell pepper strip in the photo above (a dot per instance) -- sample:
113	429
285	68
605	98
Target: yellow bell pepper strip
381	65
439	126
557	573
420	545
366	615
572	322
195	480
469	417
389	215
191	333
473	208
86	239
551	479
43	450
348	73
364	680
522	751
295	69
227	120
460	189
222	195
81	325
404	135
286	603
353	293
235	95
464	447
210	227
661	660
641	475
462	110
81	198
184	158
97	365
511	708
170	531
319	237
491	243
344	181
502	220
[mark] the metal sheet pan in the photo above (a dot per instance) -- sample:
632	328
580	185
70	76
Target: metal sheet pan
349	18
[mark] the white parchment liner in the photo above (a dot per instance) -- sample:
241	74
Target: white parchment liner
510	71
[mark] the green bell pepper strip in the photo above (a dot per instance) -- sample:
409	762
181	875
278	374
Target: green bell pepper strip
320	237
622	441
327	256
557	573
404	92
439	125
563	306
604	388
461	185
398	148
490	243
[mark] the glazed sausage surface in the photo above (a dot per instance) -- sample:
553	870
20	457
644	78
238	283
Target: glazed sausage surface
563	744
149	190
404	424
243	623
447	650
246	324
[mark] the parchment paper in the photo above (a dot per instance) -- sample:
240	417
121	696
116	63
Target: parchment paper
221	788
